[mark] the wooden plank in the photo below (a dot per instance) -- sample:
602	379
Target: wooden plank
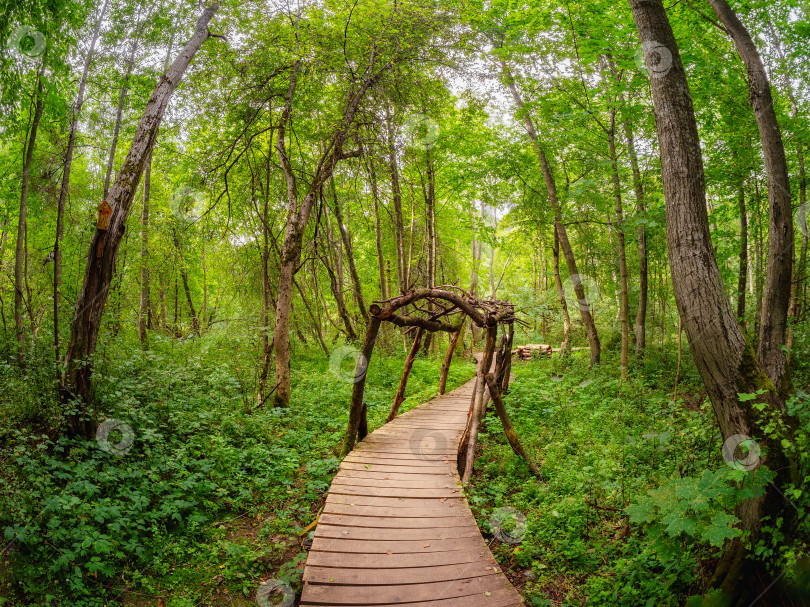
391	536
382	522
421	546
393	492
385	575
449	477
442	510
408	593
498	598
395	559
435	482
392	502
442	468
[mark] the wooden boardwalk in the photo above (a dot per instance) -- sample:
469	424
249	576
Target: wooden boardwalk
396	529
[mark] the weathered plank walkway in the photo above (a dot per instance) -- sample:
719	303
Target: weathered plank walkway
396	529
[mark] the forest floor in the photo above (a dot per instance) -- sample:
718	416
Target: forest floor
214	494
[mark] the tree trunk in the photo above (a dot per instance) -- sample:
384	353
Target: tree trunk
104	245
122	97
566	342
377	229
430	235
298	216
21	251
264	336
725	361
799	274
316	325
195	323
406	372
143	312
773	324
396	193
568	252
347	246
638	186
64	188
623	279
742	274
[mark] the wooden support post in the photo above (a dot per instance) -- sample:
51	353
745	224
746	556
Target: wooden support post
448	358
362	430
507	370
478	407
511	436
356	412
406	372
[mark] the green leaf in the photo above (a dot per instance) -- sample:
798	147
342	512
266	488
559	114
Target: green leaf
720	529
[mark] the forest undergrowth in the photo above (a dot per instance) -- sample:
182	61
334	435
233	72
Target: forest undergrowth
636	498
214	491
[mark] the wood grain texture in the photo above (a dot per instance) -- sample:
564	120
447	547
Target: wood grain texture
396	528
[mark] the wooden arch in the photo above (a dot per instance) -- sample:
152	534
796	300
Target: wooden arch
447	304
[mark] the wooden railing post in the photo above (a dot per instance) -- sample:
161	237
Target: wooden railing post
448	358
511	435
406	372
477	409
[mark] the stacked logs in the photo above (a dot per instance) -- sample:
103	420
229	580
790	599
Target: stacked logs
530	351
